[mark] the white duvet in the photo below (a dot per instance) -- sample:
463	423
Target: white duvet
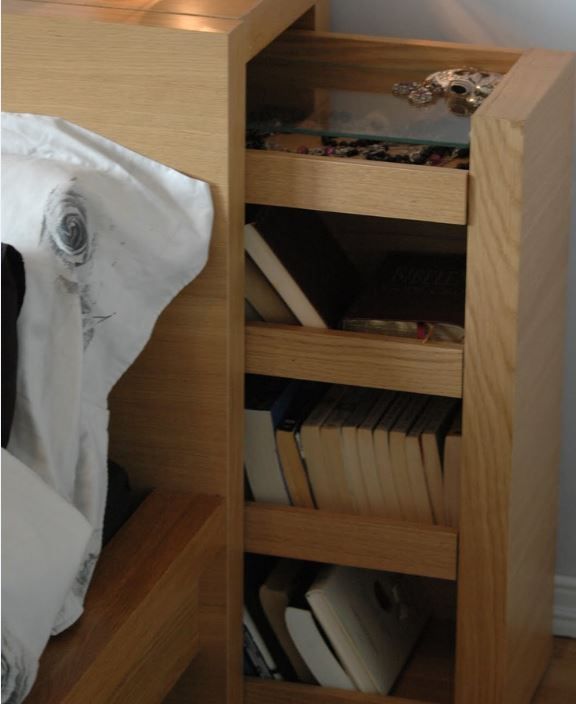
108	237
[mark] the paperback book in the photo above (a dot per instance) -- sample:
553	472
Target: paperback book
266	402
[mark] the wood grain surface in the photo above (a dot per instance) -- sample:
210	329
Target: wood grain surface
359	541
318	17
140	626
356	186
261	20
427	678
115	13
559	684
358	359
171	85
175	95
516	286
364	51
266	692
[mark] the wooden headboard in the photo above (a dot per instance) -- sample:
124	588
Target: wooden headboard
167	79
160	85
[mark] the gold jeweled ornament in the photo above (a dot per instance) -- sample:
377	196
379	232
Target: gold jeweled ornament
464	89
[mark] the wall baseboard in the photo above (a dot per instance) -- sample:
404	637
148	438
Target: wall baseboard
565	606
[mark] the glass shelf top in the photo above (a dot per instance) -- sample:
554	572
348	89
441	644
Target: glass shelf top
354	104
360	115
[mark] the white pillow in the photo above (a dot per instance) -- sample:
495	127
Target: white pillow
108	238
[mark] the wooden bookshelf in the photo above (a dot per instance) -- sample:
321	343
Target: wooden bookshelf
358	359
172	83
515	203
358	541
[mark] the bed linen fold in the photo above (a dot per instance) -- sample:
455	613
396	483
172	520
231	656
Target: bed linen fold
108	238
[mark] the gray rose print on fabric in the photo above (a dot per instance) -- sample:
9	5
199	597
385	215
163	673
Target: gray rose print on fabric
67	229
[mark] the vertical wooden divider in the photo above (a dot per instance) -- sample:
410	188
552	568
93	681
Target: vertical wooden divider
513	371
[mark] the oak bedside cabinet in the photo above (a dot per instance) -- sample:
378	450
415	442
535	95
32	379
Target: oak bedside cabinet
199	60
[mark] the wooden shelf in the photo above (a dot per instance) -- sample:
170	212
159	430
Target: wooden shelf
429	673
358	359
357	186
427	678
359	541
268	692
338	50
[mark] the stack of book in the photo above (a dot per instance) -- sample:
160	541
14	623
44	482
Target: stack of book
297	273
333	626
353	450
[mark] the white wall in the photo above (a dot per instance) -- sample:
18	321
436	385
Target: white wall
515	23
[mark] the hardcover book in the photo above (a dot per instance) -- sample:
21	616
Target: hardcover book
303	261
413	295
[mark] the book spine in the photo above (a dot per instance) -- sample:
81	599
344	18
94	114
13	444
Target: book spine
257	647
254	656
293	469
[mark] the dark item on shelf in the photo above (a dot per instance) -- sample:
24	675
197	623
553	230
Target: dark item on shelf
253	659
263	298
248	666
304	262
121	501
413	295
257	569
275	594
